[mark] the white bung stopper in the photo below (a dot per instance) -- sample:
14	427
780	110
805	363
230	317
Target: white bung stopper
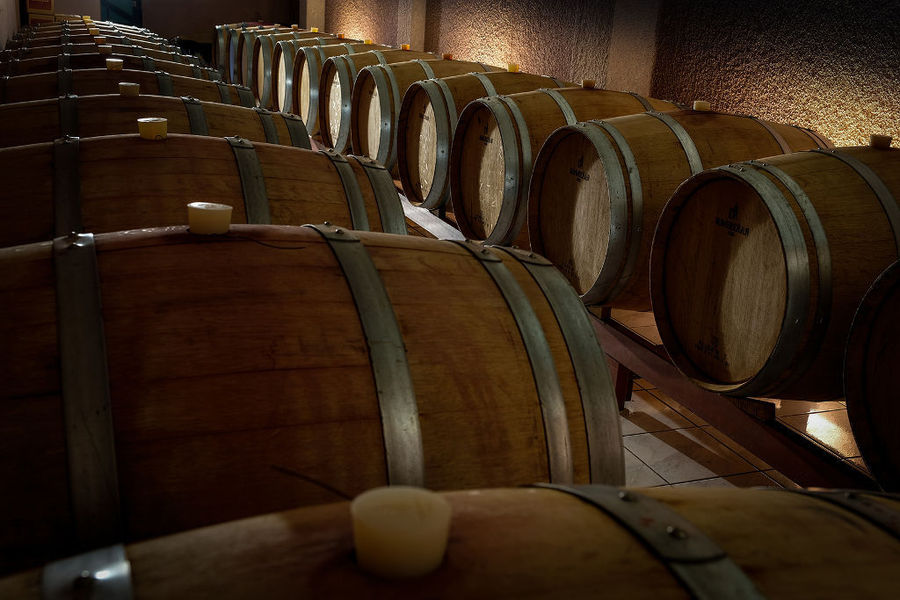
209	218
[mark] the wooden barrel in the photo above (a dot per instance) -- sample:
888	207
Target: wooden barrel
302	76
377	94
243	57
264	59
494	145
158	178
52	35
428	117
336	82
541	542
170	53
78	39
95	60
229	39
89	82
757	269
326	385
283	58
597	224
870	385
109	114
223	35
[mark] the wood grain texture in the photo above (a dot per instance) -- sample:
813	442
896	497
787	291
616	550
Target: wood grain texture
264	52
90	82
522	543
91	48
96	61
38	121
478	204
734	278
218	418
417	163
128	182
572	203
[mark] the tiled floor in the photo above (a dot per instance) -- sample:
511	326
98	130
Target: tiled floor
667	444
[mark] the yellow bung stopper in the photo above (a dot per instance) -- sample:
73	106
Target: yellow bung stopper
295	26
94	31
153	128
447	56
104	49
512	67
368	42
340	36
701	105
588	84
209	218
881	142
314	29
114	64
400	531
85	18
404	46
127	88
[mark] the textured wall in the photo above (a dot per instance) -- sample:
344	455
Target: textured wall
832	66
195	19
9	20
363	19
569	41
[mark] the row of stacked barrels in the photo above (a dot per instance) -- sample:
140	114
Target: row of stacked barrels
158	380
754	295
276	366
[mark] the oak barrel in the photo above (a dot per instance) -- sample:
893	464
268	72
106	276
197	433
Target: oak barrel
757	268
496	141
53	35
88	82
52	64
264	56
428	116
275	367
243	55
597	190
38	121
81	39
123	182
377	94
336	80
223	35
870	378
172	54
301	76
542	543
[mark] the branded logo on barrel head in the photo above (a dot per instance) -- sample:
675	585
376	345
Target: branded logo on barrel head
732	224
712	350
484	136
578	171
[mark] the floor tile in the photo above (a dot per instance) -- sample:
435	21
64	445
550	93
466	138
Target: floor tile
646	414
743	481
637	474
679	408
741	451
686	455
831	428
786	408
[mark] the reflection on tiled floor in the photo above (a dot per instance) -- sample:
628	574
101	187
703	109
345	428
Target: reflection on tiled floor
666	444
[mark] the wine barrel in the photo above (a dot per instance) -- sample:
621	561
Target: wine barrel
377	94
539	542
158	178
89	82
109	114
53	35
428	117
870	384
172	53
325	386
243	57
493	148
302	75
230	33
757	268
598	187
95	60
335	90
223	35
78	39
264	59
